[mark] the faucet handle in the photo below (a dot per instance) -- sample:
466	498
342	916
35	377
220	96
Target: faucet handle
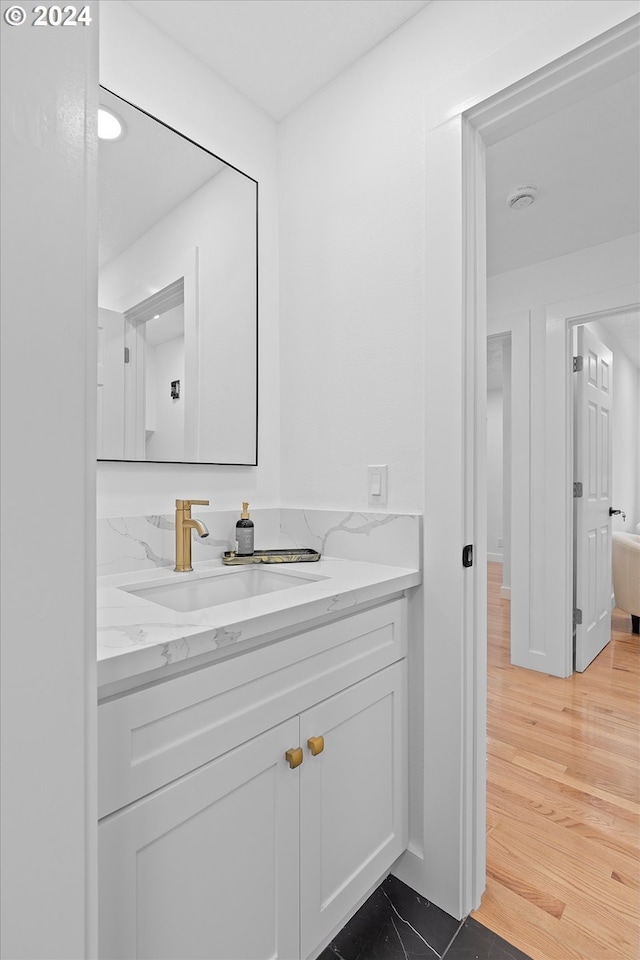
187	504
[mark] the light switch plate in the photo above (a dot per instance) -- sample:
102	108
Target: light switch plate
377	484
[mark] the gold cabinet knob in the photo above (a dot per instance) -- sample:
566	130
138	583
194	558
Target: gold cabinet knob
316	745
294	757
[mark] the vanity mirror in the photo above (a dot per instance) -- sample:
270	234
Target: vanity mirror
177	296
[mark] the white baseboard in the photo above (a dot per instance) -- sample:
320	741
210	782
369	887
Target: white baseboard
411	868
495	557
505	593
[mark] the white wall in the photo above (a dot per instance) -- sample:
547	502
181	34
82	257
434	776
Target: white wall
133	63
48	882
495	469
353	253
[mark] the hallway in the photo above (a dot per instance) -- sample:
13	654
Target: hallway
563	810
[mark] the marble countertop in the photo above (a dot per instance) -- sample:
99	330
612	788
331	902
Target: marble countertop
137	636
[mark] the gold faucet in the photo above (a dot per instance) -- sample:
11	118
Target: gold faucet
184	526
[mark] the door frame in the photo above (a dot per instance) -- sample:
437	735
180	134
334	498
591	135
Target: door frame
507	337
450	868
516	326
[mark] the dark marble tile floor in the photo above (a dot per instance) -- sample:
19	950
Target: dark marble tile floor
395	923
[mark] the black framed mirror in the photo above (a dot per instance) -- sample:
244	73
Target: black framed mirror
177	297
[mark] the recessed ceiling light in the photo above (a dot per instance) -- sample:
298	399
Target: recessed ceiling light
110	126
522	197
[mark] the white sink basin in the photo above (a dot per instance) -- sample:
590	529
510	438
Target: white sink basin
197	591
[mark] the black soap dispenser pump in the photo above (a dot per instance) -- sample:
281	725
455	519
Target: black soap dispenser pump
244	533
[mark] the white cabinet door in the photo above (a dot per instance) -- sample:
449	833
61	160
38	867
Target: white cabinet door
353	799
207	867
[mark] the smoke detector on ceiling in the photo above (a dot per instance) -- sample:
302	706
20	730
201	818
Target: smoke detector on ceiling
522	197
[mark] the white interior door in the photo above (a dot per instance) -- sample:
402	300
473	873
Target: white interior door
593	420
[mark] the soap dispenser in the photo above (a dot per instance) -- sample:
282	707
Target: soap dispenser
244	533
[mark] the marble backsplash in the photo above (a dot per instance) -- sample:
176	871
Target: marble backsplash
126	544
392	538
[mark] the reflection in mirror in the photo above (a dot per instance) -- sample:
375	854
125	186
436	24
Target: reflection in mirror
177	295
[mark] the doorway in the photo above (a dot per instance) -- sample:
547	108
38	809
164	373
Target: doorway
535	257
547	589
549	429
473	114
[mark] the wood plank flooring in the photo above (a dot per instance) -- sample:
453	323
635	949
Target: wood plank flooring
563	800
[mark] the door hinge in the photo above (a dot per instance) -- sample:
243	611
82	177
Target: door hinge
577	490
467	555
578	364
126	354
577	616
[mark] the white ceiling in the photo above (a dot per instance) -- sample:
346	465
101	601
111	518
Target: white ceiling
278	53
585	162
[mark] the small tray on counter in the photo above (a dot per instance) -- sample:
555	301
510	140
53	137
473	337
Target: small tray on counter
295	555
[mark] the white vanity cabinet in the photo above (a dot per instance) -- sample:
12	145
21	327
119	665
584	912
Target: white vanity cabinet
242	855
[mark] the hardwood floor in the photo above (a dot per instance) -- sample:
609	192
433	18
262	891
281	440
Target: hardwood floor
563	800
